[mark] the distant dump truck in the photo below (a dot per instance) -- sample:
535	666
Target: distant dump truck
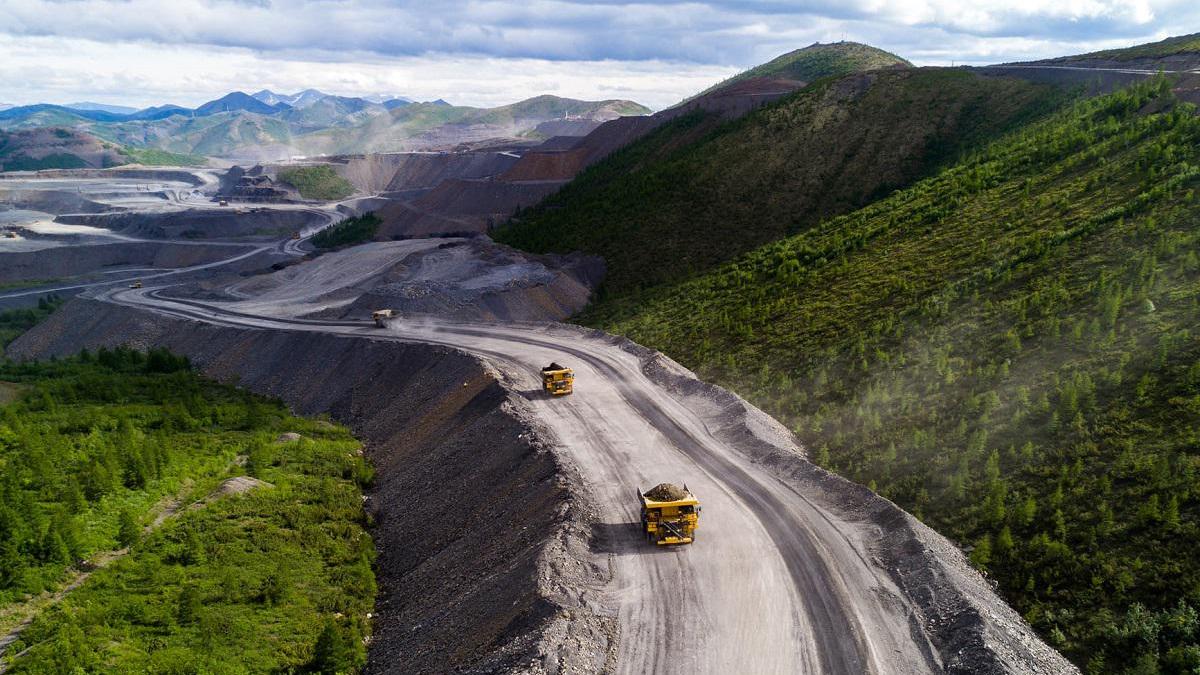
383	316
669	514
295	236
223	202
558	381
136	284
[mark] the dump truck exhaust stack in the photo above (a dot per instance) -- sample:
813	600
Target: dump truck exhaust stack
670	514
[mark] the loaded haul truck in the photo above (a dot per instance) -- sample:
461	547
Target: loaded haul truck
558	381
669	514
383	316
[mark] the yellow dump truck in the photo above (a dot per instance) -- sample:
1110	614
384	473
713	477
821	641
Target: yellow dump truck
383	316
669	514
558	381
136	284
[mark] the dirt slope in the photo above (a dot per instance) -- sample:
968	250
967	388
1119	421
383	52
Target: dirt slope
204	223
55	148
70	261
459	206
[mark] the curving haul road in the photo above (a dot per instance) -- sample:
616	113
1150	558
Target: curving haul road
774	584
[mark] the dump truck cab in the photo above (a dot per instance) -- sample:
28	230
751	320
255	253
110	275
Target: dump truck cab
382	316
557	380
670	514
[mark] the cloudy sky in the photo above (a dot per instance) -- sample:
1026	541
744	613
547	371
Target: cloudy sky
148	52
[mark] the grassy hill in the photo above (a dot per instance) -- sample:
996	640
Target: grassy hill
1172	46
317	182
1009	349
1178	54
687	197
819	60
55	148
156	157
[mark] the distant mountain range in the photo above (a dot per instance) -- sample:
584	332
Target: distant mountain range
103	107
267	125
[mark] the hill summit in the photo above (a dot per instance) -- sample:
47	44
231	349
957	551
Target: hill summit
820	60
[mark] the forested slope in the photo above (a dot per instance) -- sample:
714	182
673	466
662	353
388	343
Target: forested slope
201	539
1008	349
676	203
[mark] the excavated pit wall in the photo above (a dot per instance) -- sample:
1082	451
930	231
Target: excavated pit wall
473	513
73	261
200	224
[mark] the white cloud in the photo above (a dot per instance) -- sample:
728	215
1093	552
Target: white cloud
142	74
489	51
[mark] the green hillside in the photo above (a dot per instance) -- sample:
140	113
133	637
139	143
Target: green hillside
1008	349
820	60
317	182
125	460
156	157
1172	46
684	198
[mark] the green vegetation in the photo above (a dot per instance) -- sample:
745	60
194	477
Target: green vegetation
156	157
101	446
1009	350
1182	44
687	198
27	283
317	182
57	160
817	61
351	231
16	321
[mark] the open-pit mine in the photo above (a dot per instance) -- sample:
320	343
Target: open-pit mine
540	561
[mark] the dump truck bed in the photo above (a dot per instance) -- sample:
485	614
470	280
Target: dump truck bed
669	520
557	380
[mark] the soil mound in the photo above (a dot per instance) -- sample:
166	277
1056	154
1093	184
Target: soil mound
289	437
198	224
666	492
236	486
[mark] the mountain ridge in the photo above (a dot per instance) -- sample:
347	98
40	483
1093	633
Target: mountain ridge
243	126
